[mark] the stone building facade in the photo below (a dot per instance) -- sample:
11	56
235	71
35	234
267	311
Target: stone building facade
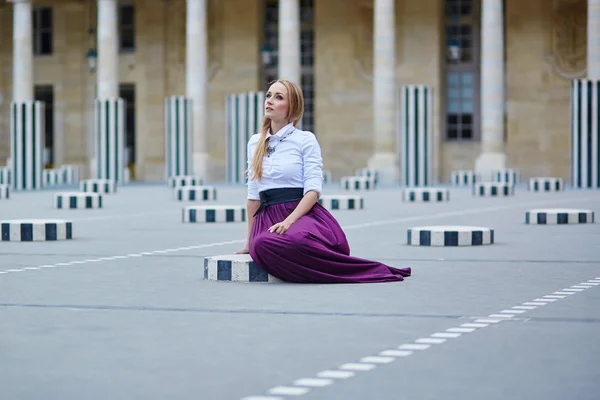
438	43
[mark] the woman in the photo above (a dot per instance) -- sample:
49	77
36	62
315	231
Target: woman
290	234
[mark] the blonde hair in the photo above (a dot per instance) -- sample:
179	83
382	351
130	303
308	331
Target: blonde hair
295	112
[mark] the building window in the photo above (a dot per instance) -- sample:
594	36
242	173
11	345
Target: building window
127	93
45	93
462	69
42	31
127	27
271	42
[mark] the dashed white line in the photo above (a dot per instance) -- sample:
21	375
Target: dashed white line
387	356
336	374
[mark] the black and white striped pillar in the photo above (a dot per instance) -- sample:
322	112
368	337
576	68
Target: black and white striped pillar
178	136
27	144
585	133
110	139
416	135
244	117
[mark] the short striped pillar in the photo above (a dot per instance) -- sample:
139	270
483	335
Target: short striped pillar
244	118
415	135
585	133
110	139
5	176
178	136
27	144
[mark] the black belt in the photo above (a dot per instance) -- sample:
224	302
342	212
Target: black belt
279	195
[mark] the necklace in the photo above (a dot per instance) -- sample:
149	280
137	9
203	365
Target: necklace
271	149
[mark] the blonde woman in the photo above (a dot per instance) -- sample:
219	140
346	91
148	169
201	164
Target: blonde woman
290	234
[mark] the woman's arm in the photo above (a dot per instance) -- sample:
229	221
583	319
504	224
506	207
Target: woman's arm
305	205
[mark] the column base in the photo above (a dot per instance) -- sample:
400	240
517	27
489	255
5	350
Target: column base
202	165
386	165
486	163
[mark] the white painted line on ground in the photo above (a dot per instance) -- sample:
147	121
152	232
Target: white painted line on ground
572	290
553	296
357	367
388	356
563	293
535	303
396	353
414	347
588	284
289	390
430	340
580	286
3	272
262	398
472	325
313	382
549	299
336	374
14	270
461	330
446	335
377	360
31	268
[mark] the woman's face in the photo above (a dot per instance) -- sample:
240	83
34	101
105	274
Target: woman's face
276	103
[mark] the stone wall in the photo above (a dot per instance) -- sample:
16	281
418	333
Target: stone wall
538	99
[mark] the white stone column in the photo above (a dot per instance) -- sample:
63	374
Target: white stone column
593	39
492	155
289	62
108	50
384	91
22	51
197	82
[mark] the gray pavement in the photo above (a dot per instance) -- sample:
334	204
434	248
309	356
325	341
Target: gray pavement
122	311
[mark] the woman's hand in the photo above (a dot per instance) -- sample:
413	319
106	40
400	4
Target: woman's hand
245	250
281	227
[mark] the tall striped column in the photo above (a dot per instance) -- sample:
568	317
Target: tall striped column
110	138
27	144
244	117
415	135
585	133
178	136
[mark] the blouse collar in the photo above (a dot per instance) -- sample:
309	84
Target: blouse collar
285	129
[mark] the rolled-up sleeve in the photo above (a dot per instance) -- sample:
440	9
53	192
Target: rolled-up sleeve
252	185
313	165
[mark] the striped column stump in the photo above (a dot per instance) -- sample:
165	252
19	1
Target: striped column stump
195	193
235	268
327	177
184	180
342	202
5	176
51	177
493	189
76	200
585	133
558	216
546	185
103	186
4	192
357	183
208	214
178	136
415	139
450	236
463	178
36	230
425	195
27	144
507	175
368	172
110	139
69	174
244	115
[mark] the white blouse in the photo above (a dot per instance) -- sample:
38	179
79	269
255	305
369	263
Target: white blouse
296	162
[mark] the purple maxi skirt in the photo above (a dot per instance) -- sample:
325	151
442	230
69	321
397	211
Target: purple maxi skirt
313	250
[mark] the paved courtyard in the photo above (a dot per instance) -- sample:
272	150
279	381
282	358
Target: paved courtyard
122	311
